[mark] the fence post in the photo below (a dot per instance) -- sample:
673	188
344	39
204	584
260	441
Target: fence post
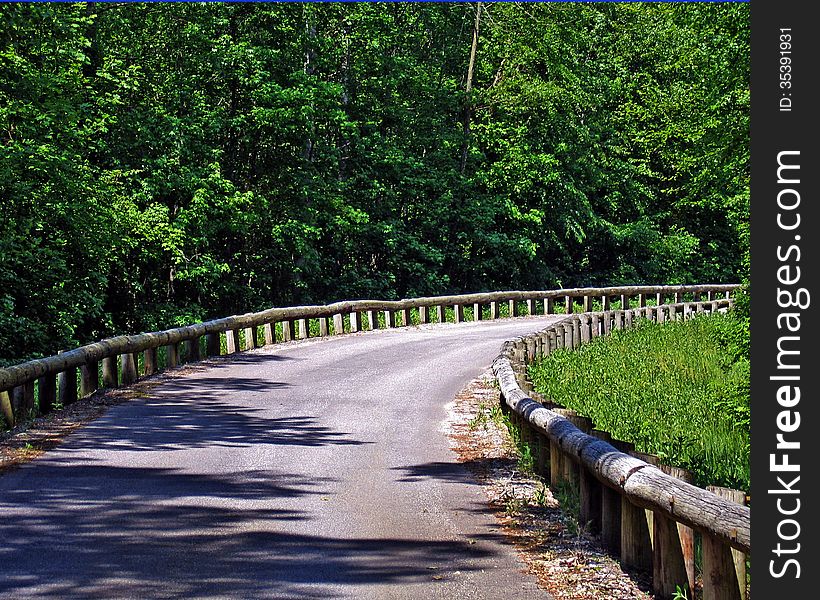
90	378
323	330
232	339
605	302
513	308
149	361
674	549
641	300
724	568
477	316
339	324
270	334
214	348
355	321
423	314
624	301
441	314
109	372
530	306
128	367
458	312
568	304
194	351
389	319
494	312
587	303
548	306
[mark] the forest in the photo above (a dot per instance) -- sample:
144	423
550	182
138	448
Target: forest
162	164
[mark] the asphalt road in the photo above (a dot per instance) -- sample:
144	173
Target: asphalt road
316	469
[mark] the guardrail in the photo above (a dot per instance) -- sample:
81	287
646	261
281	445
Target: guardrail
645	513
113	362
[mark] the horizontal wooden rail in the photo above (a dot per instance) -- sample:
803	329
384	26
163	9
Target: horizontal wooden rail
568	444
37	386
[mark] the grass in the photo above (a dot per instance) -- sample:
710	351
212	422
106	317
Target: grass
671	389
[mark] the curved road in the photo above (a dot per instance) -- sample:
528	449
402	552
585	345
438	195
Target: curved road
314	469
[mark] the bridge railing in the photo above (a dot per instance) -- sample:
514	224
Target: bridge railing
114	361
646	513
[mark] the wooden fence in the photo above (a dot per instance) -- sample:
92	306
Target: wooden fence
114	361
646	513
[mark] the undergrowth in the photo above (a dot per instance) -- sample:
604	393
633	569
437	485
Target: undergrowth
679	390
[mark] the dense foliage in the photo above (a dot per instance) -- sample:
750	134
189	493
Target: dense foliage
162	163
679	390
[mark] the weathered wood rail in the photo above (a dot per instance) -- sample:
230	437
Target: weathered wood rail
114	361
645	513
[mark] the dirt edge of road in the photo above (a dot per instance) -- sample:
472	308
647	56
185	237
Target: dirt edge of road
568	564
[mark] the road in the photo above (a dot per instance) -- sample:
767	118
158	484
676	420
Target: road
315	469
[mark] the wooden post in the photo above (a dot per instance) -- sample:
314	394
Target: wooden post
724	568
372	319
67	385
323	331
406	321
590	510
494	310
26	406
90	378
587	303
611	520
232	340
624	301
288	329
149	361
389	319
673	563
641	300
530	306
658	299
549	308
109	372
556	465
586	333
339	324
128	368
568	305
607	317
192	348
213	347
477	316
304	332
270	334
678	297
355	322
596	326
458	311
424	315
513	308
605	302
441	314
628	318
636	542
250	338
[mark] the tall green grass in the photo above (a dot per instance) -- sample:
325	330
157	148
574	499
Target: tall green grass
673	389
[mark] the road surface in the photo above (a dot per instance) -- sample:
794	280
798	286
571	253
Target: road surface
315	469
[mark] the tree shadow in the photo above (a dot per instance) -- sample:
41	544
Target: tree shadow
94	531
190	413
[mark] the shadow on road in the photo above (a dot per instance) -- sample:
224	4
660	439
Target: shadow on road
89	531
191	413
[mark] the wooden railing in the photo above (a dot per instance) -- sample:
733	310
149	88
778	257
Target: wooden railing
114	361
646	513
